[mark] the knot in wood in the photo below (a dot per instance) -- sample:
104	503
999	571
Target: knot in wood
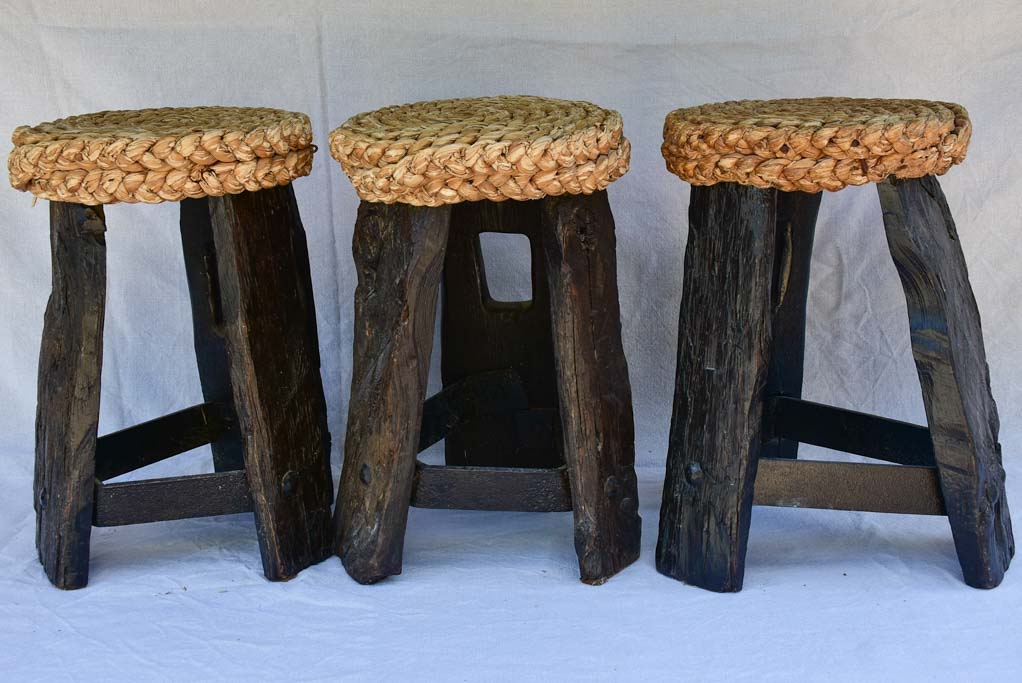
584	227
629	505
289	483
612	487
95	223
694	474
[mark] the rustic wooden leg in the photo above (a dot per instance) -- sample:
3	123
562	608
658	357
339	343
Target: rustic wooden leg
481	335
207	325
67	416
947	343
399	253
269	321
724	343
793	252
592	377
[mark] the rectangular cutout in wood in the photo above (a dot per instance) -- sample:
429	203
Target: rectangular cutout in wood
507	263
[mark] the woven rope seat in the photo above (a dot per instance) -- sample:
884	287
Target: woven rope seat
494	148
825	143
157	155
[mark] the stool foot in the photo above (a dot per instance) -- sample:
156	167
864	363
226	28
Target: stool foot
724	345
592	376
399	253
67	417
793	253
947	343
269	325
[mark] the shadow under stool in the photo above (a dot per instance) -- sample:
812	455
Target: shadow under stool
254	322
536	410
757	169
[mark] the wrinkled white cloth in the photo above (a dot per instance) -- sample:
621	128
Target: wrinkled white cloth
844	596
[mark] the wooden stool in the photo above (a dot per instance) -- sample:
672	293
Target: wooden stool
757	168
254	321
536	408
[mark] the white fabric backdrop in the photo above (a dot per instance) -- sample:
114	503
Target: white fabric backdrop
484	595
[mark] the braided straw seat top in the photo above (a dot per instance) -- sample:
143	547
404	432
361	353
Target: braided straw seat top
495	148
157	155
825	143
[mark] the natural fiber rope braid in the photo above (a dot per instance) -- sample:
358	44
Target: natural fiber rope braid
495	148
825	143
157	155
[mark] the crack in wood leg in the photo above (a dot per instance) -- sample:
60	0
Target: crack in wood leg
793	253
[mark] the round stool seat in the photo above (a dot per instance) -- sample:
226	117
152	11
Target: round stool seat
825	143
495	148
157	155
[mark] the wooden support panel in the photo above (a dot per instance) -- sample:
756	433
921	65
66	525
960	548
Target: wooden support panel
160	500
144	444
511	489
848	431
480	334
866	487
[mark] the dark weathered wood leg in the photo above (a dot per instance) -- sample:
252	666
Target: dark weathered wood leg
724	343
481	335
67	416
269	321
947	343
207	325
793	252
399	253
592	376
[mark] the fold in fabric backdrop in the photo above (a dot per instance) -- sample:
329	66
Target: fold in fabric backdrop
332	60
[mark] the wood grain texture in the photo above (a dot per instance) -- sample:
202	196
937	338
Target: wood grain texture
150	442
208	327
724	342
473	400
793	254
399	254
579	256
947	343
846	430
509	489
480	335
866	487
161	500
269	324
67	417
